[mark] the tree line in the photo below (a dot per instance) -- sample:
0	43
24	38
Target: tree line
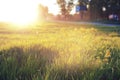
97	8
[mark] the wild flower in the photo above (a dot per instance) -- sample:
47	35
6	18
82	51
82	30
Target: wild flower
108	53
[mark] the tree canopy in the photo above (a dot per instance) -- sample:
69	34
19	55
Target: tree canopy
65	6
96	7
43	11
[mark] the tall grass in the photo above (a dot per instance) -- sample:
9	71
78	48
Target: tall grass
59	51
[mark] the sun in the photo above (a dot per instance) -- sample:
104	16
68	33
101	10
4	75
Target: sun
20	12
24	12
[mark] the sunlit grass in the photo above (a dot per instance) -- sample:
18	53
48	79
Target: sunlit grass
59	51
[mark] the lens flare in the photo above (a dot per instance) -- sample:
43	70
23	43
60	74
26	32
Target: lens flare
20	12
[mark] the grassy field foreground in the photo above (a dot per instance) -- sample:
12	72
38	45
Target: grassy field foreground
59	51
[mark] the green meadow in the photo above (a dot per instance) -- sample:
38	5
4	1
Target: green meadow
59	51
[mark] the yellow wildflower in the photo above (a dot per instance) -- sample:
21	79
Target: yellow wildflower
108	53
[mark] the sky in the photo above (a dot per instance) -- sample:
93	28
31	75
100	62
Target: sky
52	5
21	11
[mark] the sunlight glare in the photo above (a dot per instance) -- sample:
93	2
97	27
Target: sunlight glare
19	12
52	6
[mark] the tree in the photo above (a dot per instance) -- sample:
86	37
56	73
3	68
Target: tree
111	6
82	7
43	11
65	6
94	8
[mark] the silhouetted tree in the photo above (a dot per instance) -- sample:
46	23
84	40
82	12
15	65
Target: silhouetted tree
82	5
95	7
65	6
111	6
